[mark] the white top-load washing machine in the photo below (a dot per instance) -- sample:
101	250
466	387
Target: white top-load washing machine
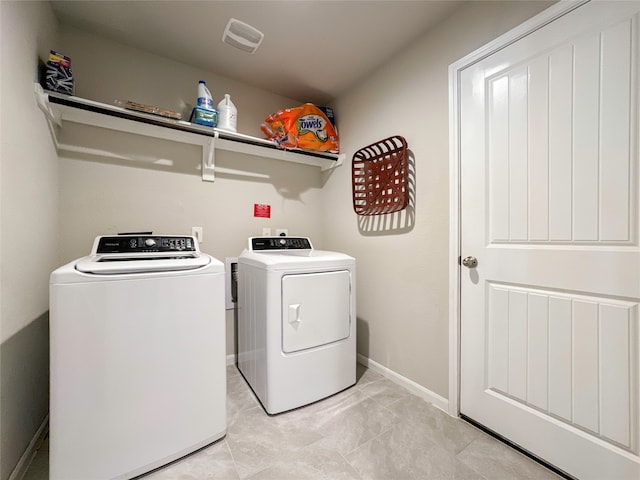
138	361
296	321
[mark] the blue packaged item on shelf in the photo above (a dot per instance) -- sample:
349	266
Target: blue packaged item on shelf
204	116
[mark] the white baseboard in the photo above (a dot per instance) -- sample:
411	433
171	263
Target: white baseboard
422	392
22	466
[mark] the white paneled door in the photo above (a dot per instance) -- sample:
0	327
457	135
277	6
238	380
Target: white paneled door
549	169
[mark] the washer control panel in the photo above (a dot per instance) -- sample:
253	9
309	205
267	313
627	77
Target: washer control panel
145	243
279	243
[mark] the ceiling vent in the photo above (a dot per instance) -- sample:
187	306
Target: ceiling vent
242	36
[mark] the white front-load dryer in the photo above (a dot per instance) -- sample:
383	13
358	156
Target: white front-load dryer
296	321
138	358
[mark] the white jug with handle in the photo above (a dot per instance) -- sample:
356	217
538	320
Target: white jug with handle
227	114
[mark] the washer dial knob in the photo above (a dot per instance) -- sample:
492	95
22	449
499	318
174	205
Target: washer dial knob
150	242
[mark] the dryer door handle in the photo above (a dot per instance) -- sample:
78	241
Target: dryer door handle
294	313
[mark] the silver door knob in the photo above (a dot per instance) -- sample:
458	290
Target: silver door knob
470	262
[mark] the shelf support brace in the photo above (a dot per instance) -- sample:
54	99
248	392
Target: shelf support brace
53	117
45	106
209	158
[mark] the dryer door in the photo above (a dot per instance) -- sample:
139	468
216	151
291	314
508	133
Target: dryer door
315	309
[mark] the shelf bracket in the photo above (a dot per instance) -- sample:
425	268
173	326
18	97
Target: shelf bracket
42	100
209	158
52	116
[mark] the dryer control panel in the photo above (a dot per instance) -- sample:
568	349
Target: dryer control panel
279	243
145	244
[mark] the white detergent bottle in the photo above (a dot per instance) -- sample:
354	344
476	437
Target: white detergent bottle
227	114
205	100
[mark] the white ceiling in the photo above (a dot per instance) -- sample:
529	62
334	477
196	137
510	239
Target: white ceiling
312	50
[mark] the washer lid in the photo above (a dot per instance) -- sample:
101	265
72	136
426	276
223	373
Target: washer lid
112	264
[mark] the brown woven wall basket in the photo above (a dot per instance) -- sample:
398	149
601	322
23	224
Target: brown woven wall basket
380	177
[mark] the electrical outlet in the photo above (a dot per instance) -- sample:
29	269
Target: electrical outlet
197	232
266	231
282	232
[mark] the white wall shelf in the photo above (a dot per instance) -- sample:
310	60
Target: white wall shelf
59	108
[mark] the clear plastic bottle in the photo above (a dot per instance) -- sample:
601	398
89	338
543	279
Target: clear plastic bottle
205	99
227	114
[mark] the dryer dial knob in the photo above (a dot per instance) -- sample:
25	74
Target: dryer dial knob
150	242
282	241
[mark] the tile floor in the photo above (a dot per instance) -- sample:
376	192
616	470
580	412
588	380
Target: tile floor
374	430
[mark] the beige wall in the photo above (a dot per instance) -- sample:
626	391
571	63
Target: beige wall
403	265
29	167
402	262
105	71
126	191
106	195
29	228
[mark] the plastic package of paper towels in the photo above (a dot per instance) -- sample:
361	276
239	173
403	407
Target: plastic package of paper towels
306	127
